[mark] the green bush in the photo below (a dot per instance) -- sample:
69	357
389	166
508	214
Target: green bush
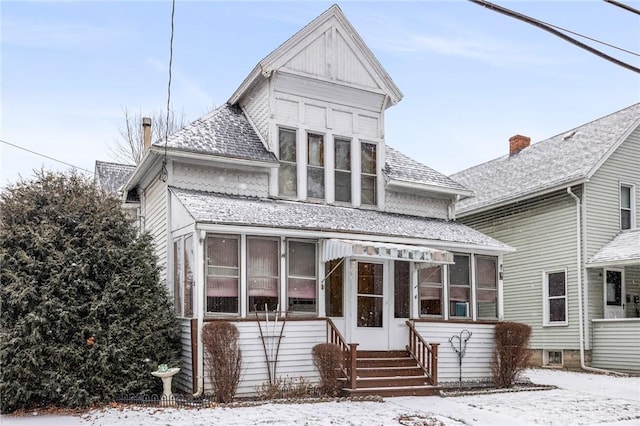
83	314
511	353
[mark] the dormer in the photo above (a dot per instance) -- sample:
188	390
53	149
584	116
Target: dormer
318	103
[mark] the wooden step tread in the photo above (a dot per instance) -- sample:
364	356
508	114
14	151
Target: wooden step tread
381	388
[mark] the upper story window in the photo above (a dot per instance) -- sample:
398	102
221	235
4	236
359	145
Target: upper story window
288	171
627	207
555	298
315	166
368	176
342	149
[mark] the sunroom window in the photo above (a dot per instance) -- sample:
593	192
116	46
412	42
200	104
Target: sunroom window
263	273
288	171
459	287
368	176
487	286
301	276
223	274
315	166
430	284
342	149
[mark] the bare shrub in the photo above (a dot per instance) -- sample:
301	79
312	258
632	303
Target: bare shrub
225	359
328	358
286	388
511	354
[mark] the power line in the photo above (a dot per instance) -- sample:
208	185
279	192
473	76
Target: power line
163	172
45	156
623	6
548	28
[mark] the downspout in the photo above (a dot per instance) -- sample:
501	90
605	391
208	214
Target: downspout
200	305
580	305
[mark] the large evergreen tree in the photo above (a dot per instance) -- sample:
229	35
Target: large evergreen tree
83	314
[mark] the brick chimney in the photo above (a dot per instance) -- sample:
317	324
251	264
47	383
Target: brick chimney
517	143
146	132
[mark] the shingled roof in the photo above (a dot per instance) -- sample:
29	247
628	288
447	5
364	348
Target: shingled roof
225	131
561	160
111	177
624	249
208	207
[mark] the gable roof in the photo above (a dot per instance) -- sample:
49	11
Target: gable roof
215	208
402	169
562	160
624	249
303	38
225	131
111	177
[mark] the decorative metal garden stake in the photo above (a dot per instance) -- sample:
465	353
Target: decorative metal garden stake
271	348
463	338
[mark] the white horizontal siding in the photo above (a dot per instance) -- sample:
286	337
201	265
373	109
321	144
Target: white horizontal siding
222	180
543	232
415	205
476	363
183	381
294	357
616	344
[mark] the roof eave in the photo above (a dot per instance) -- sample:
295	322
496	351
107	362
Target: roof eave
440	189
178	153
613	263
524	197
613	148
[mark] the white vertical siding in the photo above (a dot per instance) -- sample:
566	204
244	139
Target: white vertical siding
543	232
183	381
616	344
415	205
476	363
222	180
155	197
294	358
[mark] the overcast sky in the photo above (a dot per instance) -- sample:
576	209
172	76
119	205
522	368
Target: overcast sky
471	77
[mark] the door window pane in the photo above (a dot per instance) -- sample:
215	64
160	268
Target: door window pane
263	273
223	275
614	288
370	295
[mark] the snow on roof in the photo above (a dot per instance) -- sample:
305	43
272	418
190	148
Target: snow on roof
217	208
400	167
225	131
624	249
111	177
563	159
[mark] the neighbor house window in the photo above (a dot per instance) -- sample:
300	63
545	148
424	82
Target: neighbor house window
627	207
342	148
430	285
334	285
555	298
487	286
288	171
301	276
315	166
223	274
459	286
263	273
368	177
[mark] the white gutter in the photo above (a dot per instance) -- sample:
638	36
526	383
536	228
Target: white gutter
580	307
429	187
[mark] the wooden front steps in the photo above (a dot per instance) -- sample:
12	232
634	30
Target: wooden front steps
389	373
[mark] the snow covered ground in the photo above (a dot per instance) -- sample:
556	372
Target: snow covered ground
581	399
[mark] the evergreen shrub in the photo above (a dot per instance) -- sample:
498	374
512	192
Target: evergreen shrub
84	316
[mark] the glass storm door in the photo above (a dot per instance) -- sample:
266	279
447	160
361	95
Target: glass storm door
613	294
370	325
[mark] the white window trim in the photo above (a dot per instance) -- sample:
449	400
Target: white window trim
241	277
545	299
632	203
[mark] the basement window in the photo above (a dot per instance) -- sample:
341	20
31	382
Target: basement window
553	358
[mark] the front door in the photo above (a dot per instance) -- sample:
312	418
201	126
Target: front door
613	293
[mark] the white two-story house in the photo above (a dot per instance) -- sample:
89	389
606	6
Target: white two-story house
287	200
